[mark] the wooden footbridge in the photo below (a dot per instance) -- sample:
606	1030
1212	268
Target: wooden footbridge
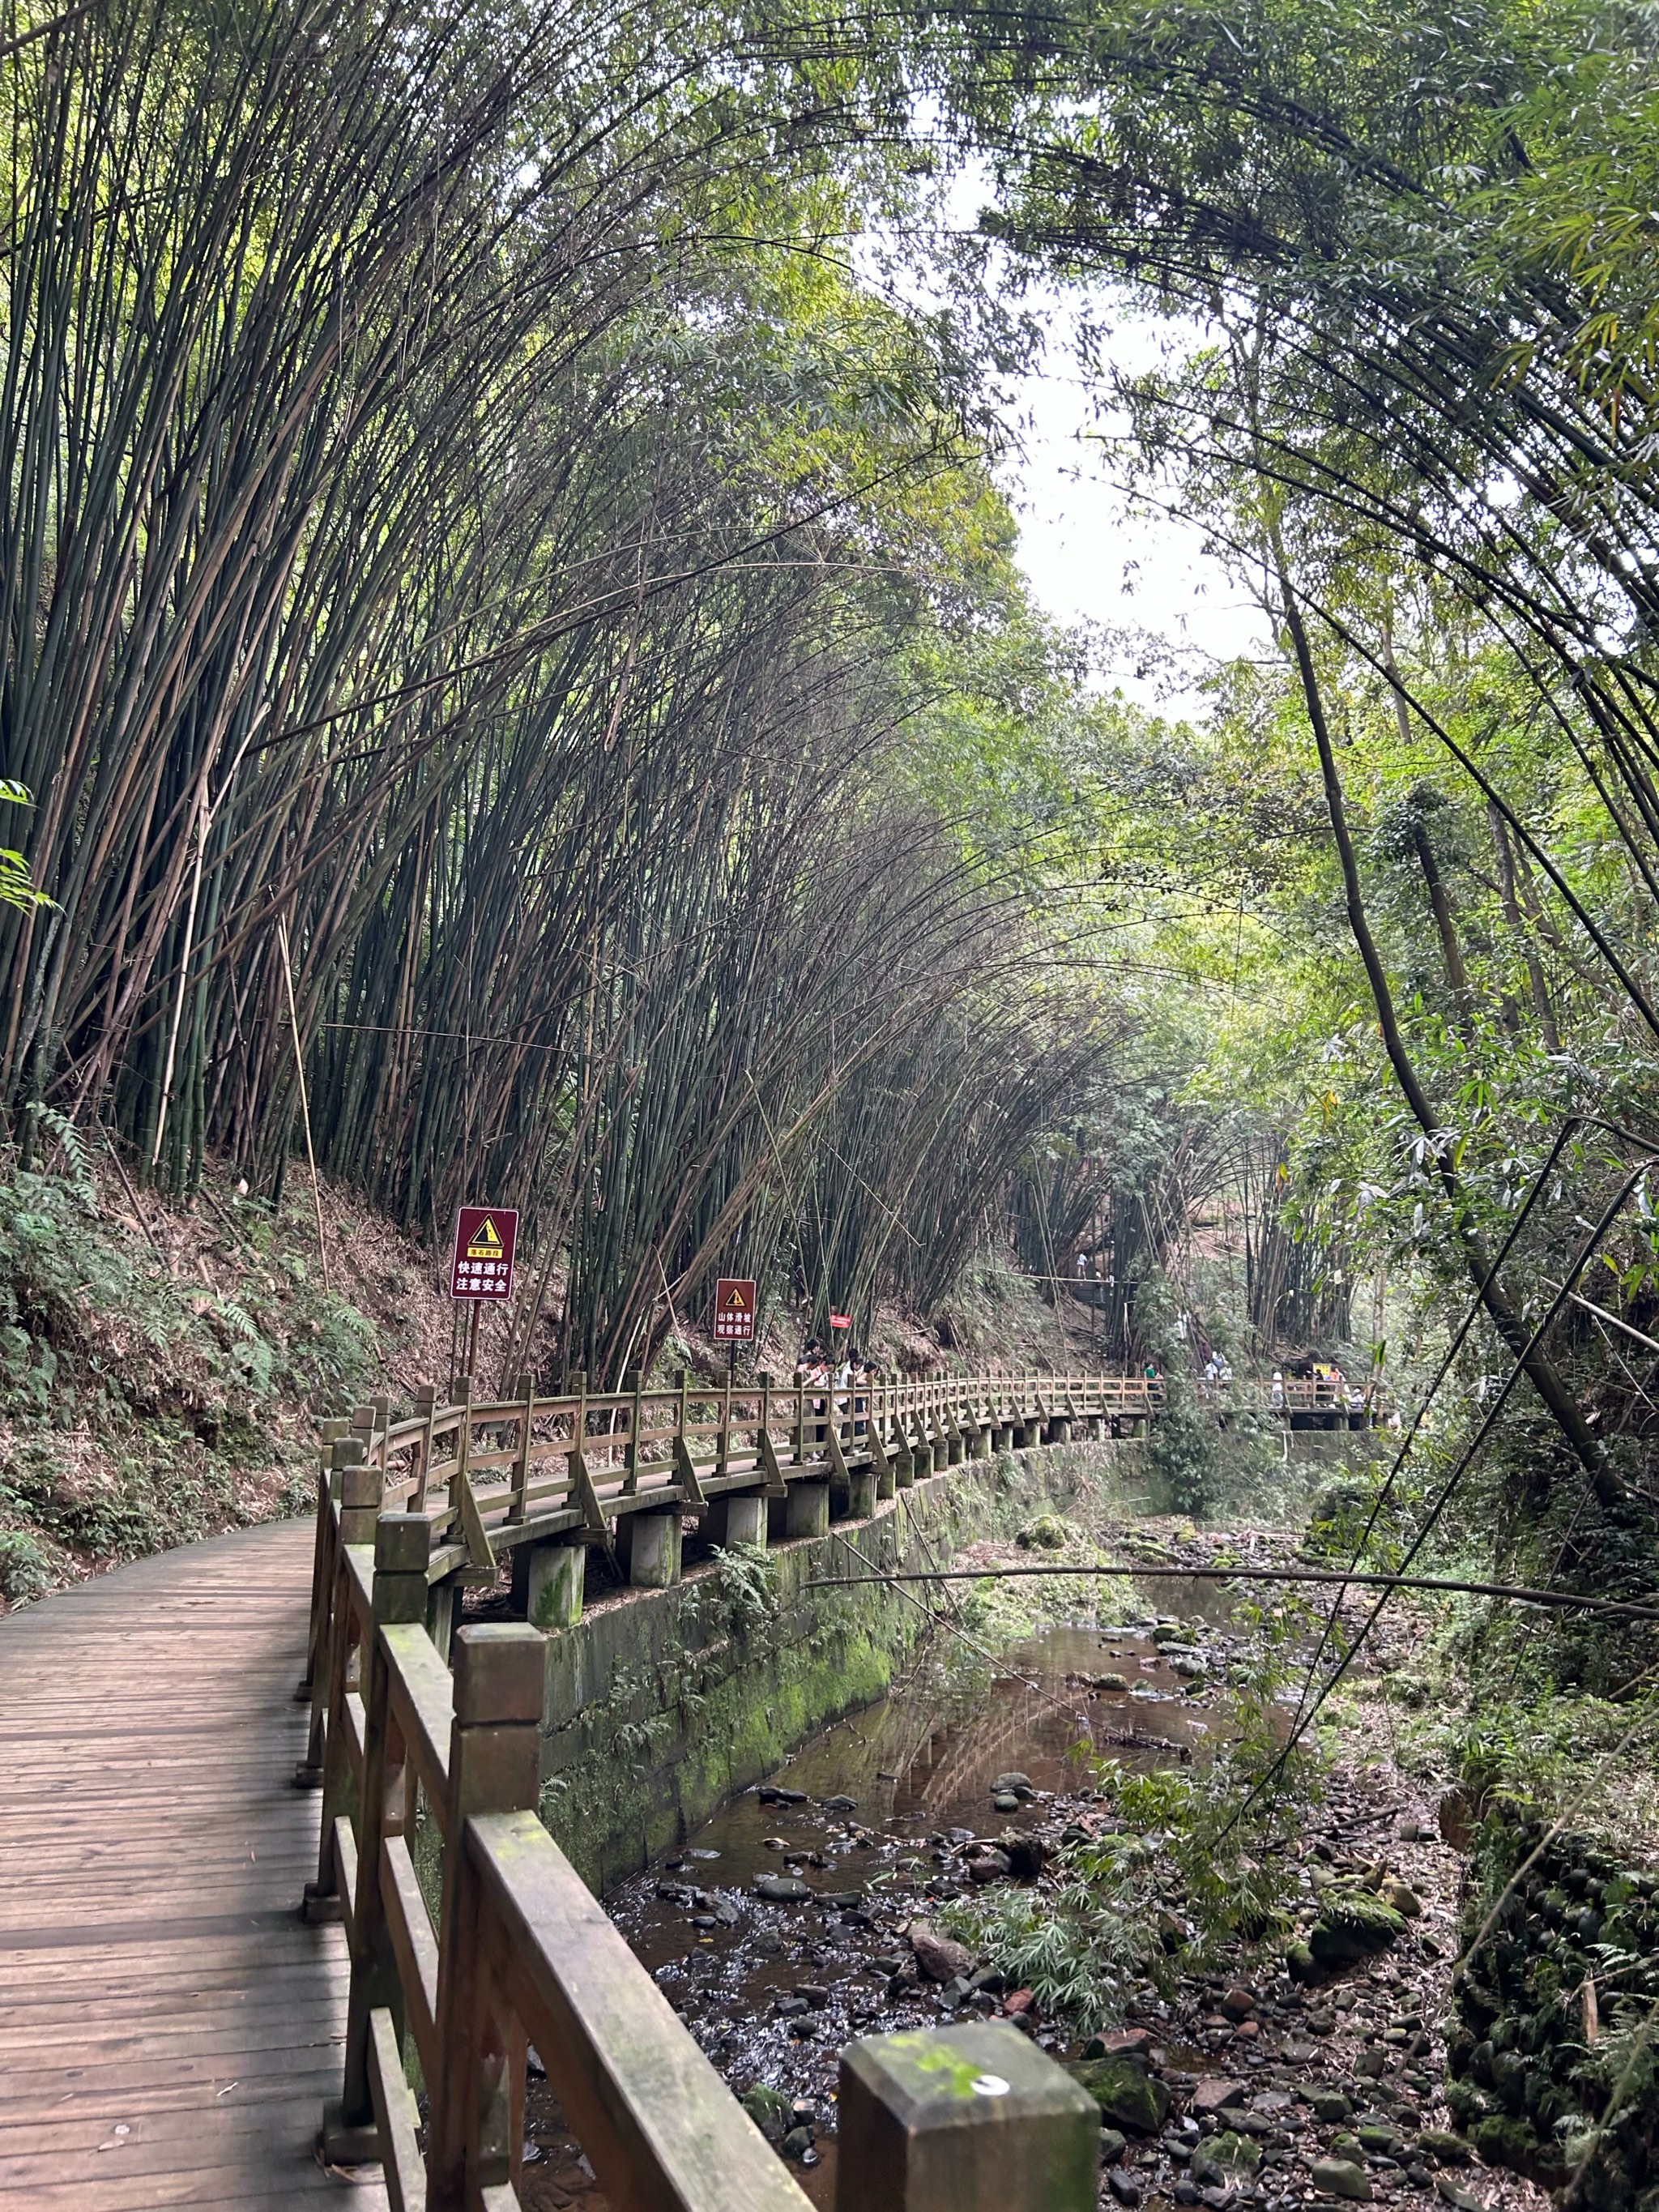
222	1990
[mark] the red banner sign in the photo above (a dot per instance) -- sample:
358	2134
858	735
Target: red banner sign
734	1310
841	1321
482	1265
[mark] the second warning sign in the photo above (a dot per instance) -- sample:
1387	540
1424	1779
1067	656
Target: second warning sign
482	1267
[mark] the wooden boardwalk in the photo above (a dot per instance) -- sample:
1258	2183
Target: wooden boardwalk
168	2028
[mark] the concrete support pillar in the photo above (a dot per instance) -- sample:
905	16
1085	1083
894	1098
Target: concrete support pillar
941	1455
861	1501
547	1583
841	1495
652	1542
982	1441
887	1481
1096	1428
1059	1432
739	1517
956	1448
806	1509
904	1466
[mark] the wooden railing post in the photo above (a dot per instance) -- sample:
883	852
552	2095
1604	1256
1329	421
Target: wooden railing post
314	1684
524	1389
961	2117
494	1751
458	1477
403	1549
426	1410
633	1381
360	1502
328	1433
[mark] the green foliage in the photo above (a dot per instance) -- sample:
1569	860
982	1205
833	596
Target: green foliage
747	1586
25	1567
142	1409
16	889
1184	1878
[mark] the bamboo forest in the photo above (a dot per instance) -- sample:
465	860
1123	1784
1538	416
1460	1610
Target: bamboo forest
829	916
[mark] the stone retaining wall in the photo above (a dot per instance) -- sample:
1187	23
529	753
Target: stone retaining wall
661	1703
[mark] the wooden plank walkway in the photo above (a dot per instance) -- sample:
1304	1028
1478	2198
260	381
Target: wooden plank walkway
168	2028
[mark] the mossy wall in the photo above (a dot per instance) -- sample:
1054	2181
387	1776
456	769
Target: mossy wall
662	1703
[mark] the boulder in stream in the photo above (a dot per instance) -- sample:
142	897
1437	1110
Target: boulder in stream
1128	2096
939	1956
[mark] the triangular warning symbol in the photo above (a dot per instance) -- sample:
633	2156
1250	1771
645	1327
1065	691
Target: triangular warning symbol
735	1301
485	1242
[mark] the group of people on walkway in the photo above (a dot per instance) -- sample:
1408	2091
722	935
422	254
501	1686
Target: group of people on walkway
818	1372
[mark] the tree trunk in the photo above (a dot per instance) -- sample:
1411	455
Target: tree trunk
1540	1369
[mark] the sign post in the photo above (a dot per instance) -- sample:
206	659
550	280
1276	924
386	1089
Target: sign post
481	1264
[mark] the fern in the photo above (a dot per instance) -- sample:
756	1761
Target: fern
67	1139
743	1577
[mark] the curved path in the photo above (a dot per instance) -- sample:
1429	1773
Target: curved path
168	2027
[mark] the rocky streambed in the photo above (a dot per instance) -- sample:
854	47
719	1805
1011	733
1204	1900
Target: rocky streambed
816	1908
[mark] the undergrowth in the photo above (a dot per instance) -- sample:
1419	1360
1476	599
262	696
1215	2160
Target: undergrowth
1195	1860
140	1407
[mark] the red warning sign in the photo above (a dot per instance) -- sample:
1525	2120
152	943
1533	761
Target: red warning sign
734	1310
482	1267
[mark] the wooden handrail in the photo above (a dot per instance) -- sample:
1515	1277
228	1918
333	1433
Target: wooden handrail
518	1950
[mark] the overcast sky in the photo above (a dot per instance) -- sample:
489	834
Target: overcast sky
1091	558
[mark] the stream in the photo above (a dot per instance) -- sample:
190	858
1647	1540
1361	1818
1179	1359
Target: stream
776	1930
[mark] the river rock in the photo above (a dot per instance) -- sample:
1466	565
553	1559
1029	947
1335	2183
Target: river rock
770	2111
1449	2150
781	1889
939	1958
1019	1783
1226	2157
989	1866
1112	2146
1004	1800
1340	2176
1027	1856
841	1804
1123	2185
1129	2097
1400	1898
1352	1926
1239	2002
769	1794
1216	2095
1454	2193
1329	2106
1381	2137
1119	2042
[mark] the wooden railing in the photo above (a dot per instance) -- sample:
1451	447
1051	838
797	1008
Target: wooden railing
471	1936
541	1479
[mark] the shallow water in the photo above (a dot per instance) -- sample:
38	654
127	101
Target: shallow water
884	1797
